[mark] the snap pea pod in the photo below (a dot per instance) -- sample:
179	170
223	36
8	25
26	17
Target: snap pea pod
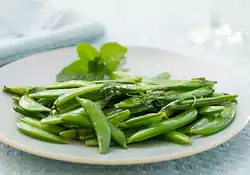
200	92
69	84
193	83
165	126
197	123
100	123
52	94
141	109
93	142
118	136
31	105
24	112
79	92
80	117
111	111
206	110
185	104
175	137
16	90
130	102
118	117
39	133
142	100
108	89
67	107
52	120
146	120
69	134
87	137
55	129
217	124
16	98
46	102
123	81
125	75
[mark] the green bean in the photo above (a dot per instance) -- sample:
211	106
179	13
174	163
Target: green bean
55	129
69	134
175	137
185	104
52	120
69	84
39	133
16	90
146	120
118	117
206	110
24	112
217	124
118	136
81	92
31	105
52	94
99	122
165	126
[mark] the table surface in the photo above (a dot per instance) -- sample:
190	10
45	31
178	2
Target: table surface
164	24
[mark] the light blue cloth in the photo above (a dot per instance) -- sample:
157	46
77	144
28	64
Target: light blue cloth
62	37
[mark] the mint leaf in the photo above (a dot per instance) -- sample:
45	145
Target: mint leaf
75	71
86	53
112	54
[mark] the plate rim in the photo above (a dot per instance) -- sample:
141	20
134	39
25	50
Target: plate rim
152	159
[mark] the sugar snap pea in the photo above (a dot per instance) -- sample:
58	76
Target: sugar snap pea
165	126
146	120
141	109
99	122
54	93
93	142
118	136
31	105
185	104
55	129
206	110
67	107
69	134
24	112
175	137
118	117
16	90
16	98
39	133
52	120
217	124
125	75
69	84
197	123
200	92
81	92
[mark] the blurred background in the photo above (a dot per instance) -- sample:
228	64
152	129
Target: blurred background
217	30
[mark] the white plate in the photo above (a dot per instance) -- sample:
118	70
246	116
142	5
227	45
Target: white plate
41	69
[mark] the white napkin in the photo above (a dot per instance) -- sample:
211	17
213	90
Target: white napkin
53	26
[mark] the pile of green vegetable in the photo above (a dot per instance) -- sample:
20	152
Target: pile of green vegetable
97	102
